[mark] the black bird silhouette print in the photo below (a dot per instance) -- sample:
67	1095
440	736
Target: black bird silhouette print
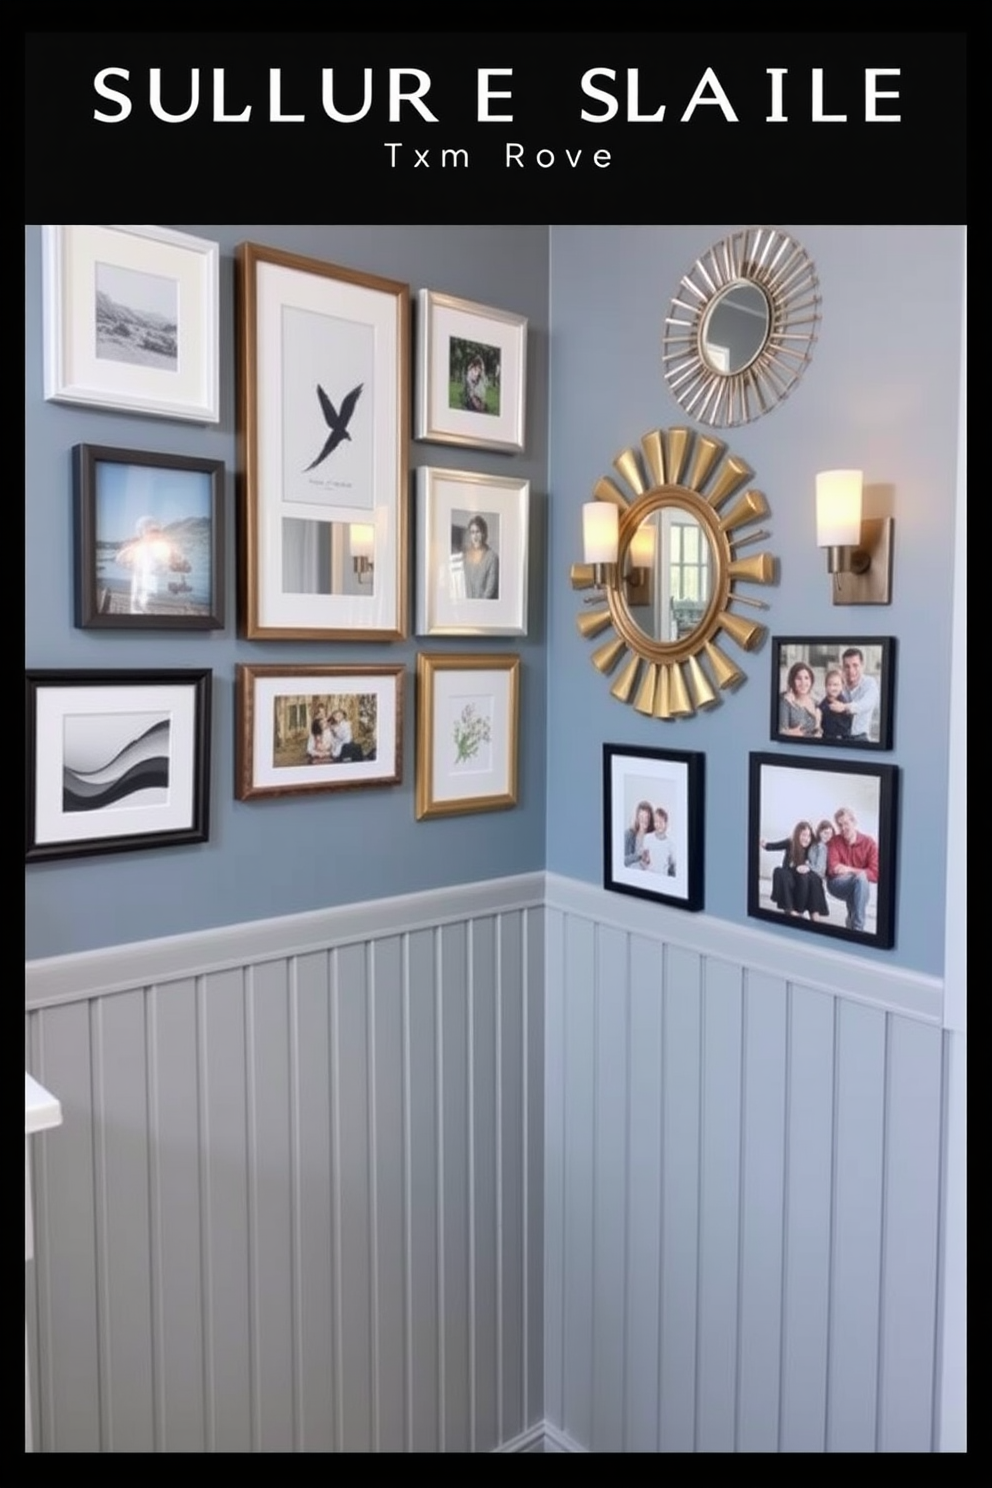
336	422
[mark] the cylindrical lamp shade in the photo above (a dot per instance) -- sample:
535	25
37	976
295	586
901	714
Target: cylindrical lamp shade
838	508
600	521
362	539
642	546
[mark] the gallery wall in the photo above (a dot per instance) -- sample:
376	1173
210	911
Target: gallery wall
284	855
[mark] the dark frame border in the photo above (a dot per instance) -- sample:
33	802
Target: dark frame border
886	689
695	766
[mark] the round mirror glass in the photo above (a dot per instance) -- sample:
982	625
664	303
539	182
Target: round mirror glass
735	327
668	574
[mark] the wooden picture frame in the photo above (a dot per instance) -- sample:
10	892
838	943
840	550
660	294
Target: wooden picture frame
467	733
653	839
471	373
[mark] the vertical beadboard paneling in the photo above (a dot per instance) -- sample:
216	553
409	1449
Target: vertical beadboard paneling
511	1173
580	1131
556	1242
177	1290
484	1117
454	1195
611	1021
533	1174
423	1360
857	1227
911	1216
719	1207
762	1212
352	1155
389	1299
680	1200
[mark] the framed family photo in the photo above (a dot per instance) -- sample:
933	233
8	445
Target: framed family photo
149	540
471	373
822	847
833	690
467	733
323	421
653	824
132	320
116	760
472	544
304	728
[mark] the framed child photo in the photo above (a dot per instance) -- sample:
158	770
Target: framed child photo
833	690
471	373
653	824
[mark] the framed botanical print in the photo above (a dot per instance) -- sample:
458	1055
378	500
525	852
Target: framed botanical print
472	545
471	373
467	733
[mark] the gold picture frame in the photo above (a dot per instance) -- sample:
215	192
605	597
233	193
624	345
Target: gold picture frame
468	710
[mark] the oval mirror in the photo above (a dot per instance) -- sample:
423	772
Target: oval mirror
667	570
740	331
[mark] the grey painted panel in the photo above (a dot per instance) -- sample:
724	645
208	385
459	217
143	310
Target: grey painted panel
806	1264
316	1367
719	1207
352	1156
389	1303
533	921
453	1191
610	1102
176	1221
556	1241
579	1279
270	1206
511	1175
223	1121
909	1260
762	1213
423	1360
858	1177
680	1200
644	1196
484	1361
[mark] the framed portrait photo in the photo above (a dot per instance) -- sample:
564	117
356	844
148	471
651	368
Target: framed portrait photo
822	847
467	733
317	728
132	321
653	824
323	422
472	543
833	690
116	760
149	540
471	373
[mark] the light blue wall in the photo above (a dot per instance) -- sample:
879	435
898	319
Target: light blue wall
881	393
281	856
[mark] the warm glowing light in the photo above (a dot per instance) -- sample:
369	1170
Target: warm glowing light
838	508
600	522
642	546
362	540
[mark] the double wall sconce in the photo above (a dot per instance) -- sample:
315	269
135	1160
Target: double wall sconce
362	539
859	549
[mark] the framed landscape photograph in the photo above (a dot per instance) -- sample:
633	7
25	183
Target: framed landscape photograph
149	540
132	320
467	733
323	423
116	760
833	690
471	373
822	847
472	542
653	824
317	728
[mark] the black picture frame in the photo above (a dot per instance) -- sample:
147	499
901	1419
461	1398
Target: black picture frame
784	793
158	517
116	760
670	779
821	655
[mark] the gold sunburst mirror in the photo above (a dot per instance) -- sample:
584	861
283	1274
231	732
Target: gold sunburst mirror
671	591
740	331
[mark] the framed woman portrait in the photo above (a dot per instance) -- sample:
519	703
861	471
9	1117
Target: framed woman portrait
471	373
472	542
653	824
833	690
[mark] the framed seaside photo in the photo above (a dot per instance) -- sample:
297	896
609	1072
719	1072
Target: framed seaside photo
471	373
653	824
116	760
323	422
132	320
467	733
317	728
472	541
822	847
149	540
833	690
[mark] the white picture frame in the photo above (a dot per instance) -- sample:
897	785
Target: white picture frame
468	711
131	320
452	336
472	553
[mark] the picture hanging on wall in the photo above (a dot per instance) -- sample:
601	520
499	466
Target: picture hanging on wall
472	543
471	373
467	733
833	690
653	824
822	847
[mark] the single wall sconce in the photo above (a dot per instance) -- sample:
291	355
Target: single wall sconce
362	539
640	560
859	550
600	533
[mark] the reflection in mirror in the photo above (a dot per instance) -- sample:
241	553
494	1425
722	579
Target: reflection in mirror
735	327
327	557
669	574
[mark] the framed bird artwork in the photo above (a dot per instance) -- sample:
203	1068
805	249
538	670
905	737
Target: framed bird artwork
323	422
